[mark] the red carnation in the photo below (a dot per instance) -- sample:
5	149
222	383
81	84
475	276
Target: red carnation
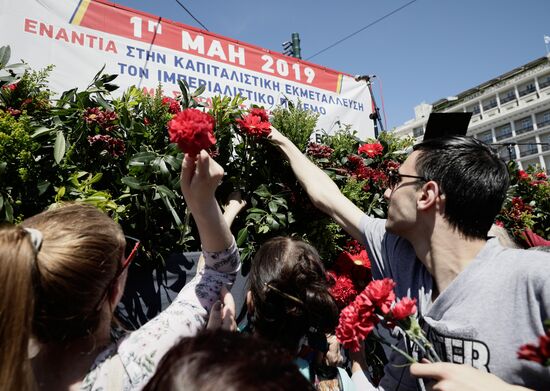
371	150
260	113
346	332
192	130
522	175
541	175
255	123
381	293
342	290
10	87
173	105
405	308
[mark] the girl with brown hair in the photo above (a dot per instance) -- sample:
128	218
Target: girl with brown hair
63	292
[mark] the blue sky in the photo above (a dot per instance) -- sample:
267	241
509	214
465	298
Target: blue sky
429	50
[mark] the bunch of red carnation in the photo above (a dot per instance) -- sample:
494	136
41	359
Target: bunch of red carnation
255	123
377	304
349	274
538	353
192	130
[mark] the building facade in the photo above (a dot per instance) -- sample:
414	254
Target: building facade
511	112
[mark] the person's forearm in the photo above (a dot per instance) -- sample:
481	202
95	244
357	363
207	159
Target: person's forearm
315	181
213	230
322	191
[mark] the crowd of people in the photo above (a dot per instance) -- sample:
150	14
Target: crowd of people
63	272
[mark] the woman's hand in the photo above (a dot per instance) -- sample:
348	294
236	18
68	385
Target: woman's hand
222	314
200	176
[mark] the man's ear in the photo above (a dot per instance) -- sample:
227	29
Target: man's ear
430	196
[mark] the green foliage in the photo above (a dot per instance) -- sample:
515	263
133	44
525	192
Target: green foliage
296	123
87	146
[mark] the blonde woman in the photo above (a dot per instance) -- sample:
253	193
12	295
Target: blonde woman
63	274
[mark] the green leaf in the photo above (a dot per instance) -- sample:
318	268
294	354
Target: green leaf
59	147
98	74
96	178
8	212
273	207
290	218
40	131
198	91
1	201
262	191
42	186
132	182
5	53
3	166
172	162
184	88
166	191
103	102
172	211
140	158
254	217
242	236
256	210
272	223
60	193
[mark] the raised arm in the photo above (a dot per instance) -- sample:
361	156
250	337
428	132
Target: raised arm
200	177
322	191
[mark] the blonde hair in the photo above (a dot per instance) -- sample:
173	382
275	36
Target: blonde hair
17	258
80	255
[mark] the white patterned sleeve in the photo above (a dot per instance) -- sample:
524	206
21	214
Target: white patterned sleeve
143	349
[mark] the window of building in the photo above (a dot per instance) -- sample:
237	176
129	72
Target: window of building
474	109
545	142
504	131
524	125
527	147
527	89
507	96
544	81
419	131
543	119
486	137
490	103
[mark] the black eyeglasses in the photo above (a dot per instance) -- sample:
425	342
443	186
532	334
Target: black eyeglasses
132	246
395	177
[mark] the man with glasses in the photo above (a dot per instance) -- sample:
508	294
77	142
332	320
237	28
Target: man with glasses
477	300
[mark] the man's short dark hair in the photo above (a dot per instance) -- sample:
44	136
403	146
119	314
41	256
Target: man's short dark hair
222	360
471	175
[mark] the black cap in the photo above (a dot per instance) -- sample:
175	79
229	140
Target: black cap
447	124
